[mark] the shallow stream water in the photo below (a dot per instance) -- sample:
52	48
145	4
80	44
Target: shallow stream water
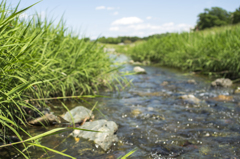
153	118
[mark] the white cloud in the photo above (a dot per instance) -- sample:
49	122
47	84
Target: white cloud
148	29
144	26
104	7
114	28
127	21
168	24
110	8
149	17
115	13
100	7
185	27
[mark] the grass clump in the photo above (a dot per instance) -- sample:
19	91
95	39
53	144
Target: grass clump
40	60
214	51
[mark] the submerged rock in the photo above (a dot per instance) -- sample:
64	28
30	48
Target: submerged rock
237	90
131	62
104	138
136	112
79	114
139	70
46	120
223	98
191	81
164	83
5	139
146	63
36	112
190	98
205	150
222	82
134	63
150	94
139	63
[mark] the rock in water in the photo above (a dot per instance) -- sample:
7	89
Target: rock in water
131	62
139	70
190	98
237	91
46	119
136	112
104	138
223	98
79	114
222	82
164	83
191	81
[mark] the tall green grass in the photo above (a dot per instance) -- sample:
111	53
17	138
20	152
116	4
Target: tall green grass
40	60
215	51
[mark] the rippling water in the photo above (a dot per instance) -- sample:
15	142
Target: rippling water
154	119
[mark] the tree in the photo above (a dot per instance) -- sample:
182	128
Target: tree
213	17
236	16
86	39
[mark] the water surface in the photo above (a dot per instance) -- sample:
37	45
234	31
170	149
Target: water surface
153	118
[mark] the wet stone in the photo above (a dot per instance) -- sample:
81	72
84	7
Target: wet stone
204	150
191	81
8	139
142	94
45	120
223	98
79	114
136	112
237	91
164	83
134	63
139	63
37	112
157	117
139	70
221	82
104	138
190	98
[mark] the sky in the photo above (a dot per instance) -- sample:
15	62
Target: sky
112	18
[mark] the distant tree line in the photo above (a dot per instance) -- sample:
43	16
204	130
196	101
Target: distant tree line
215	16
127	39
119	39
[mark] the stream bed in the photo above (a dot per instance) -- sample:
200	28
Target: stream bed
152	118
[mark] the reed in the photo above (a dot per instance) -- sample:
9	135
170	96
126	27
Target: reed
40	60
214	51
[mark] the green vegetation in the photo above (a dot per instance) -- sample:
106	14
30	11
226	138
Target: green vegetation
40	61
212	51
128	39
236	16
213	17
216	17
119	39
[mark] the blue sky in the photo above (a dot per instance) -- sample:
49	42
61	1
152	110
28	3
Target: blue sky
94	18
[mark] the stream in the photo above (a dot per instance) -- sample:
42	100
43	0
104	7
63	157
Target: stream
152	118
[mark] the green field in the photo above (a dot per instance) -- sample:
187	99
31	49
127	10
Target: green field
214	51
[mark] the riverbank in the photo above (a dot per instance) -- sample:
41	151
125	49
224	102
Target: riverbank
213	51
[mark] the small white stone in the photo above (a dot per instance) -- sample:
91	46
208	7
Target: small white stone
139	70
